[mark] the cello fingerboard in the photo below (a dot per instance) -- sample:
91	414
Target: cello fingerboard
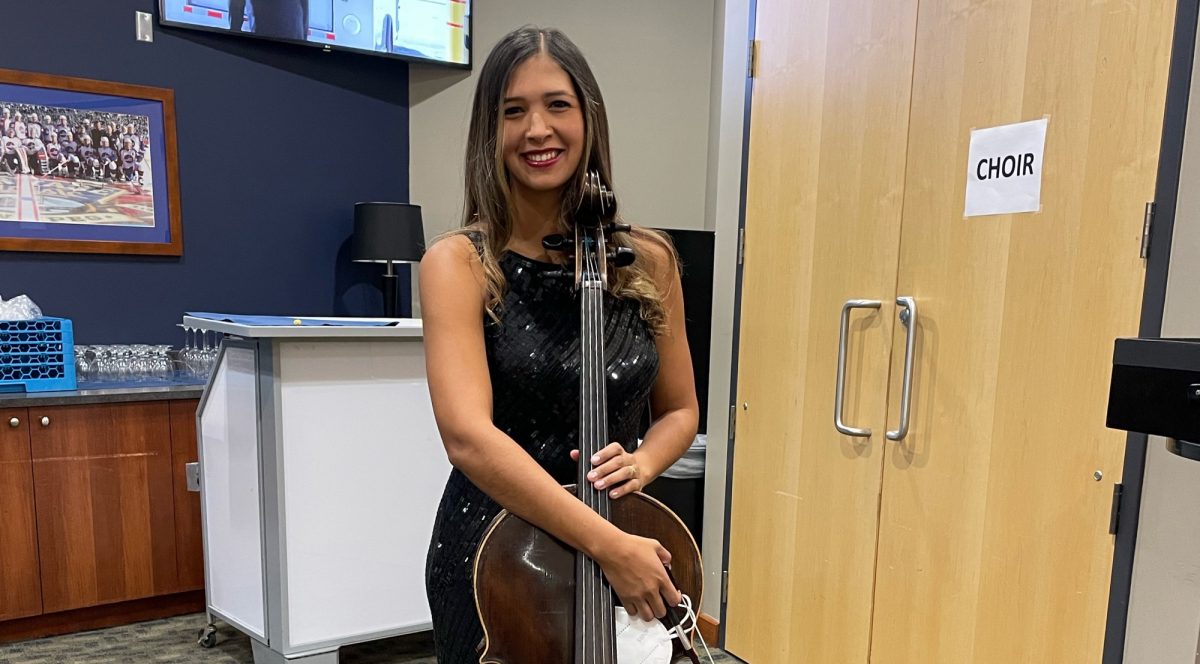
595	641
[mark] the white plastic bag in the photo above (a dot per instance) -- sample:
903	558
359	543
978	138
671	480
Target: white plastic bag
19	308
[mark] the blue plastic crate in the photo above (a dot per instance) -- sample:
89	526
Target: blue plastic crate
37	355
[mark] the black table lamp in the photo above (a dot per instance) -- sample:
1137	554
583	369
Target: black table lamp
387	233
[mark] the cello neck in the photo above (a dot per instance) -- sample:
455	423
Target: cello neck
593	407
595	632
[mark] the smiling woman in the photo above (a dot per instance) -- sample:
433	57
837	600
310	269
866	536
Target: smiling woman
503	342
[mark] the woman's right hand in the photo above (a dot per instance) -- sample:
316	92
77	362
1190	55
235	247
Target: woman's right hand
634	567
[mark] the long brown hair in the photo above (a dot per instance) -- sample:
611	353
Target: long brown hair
488	205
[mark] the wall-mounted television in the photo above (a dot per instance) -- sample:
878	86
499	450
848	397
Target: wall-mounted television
437	31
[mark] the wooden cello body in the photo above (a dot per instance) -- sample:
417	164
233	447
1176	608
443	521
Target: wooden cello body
527	606
539	600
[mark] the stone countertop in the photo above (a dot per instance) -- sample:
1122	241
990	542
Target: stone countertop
104	393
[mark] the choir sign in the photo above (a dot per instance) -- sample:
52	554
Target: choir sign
1004	169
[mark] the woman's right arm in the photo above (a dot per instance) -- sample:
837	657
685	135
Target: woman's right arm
451	286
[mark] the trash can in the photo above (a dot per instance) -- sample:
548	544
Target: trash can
681	487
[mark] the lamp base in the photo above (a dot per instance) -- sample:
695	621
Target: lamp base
389	295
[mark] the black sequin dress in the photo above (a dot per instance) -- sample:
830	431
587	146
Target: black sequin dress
533	359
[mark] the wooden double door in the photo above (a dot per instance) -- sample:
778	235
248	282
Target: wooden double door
982	534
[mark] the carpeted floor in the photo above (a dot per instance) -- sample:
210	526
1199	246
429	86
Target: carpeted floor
173	641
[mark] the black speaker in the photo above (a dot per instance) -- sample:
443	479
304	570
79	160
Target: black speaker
696	257
696	251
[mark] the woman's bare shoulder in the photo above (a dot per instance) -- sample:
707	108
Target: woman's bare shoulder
450	250
452	258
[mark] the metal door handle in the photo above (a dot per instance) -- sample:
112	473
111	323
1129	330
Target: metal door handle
14	423
840	393
45	421
908	317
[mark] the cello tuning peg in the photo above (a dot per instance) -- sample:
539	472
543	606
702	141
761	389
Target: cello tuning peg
622	256
555	242
617	228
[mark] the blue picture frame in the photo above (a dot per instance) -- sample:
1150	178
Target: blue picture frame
87	166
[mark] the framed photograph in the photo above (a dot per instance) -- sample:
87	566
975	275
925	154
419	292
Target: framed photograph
87	166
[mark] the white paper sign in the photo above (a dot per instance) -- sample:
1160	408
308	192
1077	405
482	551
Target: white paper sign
1004	171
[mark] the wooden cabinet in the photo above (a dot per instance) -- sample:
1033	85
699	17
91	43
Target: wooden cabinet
94	506
189	546
20	577
105	506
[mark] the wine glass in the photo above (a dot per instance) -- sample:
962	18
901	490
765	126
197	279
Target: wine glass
81	363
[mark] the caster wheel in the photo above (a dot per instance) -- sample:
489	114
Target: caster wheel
208	637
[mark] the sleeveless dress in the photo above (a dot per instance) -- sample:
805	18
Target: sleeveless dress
533	360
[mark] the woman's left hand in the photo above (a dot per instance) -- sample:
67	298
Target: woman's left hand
615	469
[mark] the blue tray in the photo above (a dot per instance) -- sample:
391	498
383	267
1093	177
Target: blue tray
37	355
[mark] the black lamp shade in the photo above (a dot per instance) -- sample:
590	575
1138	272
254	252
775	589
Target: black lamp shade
387	232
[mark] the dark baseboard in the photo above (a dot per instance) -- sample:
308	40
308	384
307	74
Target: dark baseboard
98	617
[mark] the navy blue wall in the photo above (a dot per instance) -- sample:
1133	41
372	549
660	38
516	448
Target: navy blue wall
276	144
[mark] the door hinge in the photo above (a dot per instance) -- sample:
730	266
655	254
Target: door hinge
752	59
732	420
741	245
1147	222
725	586
1114	519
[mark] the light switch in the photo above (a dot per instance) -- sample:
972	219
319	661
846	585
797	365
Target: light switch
192	472
144	24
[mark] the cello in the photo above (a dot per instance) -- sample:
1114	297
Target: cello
539	600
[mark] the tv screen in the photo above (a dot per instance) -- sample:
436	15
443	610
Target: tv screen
419	30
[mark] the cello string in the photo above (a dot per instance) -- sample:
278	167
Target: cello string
586	443
593	447
604	626
598	441
588	433
602	409
598	372
608	626
583	609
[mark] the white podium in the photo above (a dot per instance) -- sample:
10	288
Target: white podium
320	472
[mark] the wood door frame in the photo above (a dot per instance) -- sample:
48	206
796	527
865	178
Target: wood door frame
1153	298
1158	263
735	345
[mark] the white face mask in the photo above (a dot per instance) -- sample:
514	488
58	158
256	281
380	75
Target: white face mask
641	641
